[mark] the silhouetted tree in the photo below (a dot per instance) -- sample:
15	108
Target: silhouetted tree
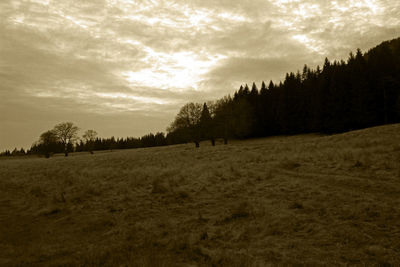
342	95
206	125
241	115
5	153
187	123
224	118
48	143
90	137
361	92
67	134
263	90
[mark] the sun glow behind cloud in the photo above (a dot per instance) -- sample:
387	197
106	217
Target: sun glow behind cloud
147	57
148	100
176	71
309	43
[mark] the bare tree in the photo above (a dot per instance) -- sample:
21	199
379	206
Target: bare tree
90	136
67	133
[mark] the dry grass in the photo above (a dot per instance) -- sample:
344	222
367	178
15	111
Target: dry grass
283	200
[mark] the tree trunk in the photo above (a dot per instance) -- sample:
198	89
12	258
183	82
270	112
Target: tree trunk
225	134
385	109
197	144
212	141
66	153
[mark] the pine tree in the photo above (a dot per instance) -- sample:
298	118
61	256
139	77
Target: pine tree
263	90
206	124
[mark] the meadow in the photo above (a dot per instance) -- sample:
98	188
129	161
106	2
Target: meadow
306	199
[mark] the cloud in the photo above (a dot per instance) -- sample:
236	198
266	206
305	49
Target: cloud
104	63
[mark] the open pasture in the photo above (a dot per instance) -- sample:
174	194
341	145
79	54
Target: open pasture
281	200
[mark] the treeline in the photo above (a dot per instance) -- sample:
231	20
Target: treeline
149	140
15	152
55	146
63	138
361	92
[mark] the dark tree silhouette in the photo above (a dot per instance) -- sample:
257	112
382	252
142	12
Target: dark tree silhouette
48	143
67	134
364	91
224	118
90	137
361	92
187	123
206	125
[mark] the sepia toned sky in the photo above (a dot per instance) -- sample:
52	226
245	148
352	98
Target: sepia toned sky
125	67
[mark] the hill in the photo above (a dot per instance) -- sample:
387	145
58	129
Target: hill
284	200
340	96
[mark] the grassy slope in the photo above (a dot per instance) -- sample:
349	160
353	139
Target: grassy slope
301	199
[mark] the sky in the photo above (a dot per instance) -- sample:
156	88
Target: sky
125	67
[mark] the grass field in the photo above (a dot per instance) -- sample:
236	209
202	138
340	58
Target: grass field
281	200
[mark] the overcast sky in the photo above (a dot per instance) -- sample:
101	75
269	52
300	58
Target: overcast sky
125	67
